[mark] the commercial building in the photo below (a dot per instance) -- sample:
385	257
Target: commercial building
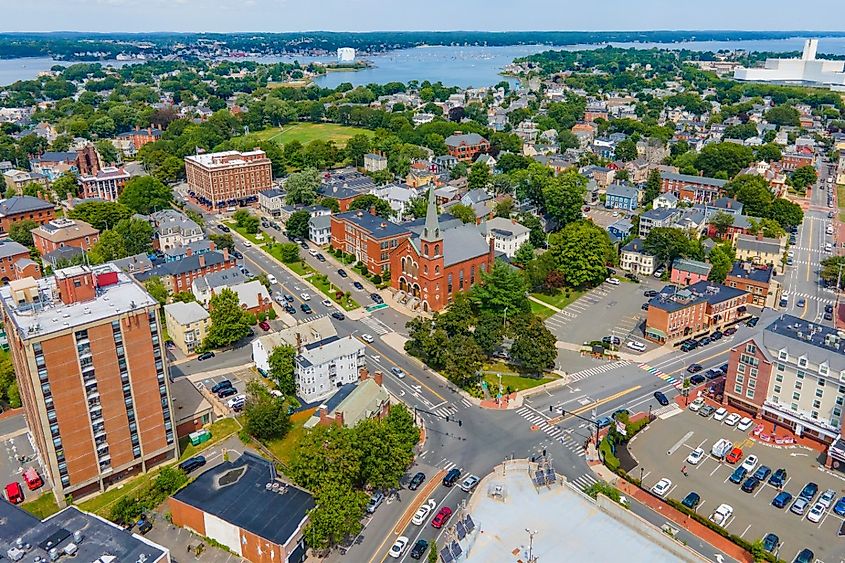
243	505
806	70
15	262
25	207
695	189
688	272
137	138
506	234
324	366
761	250
354	402
791	373
63	232
759	281
187	324
370	238
228	178
107	184
691	311
466	147
71	534
440	261
87	349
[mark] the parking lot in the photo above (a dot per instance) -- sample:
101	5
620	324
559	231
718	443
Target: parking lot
611	309
17	454
662	451
239	381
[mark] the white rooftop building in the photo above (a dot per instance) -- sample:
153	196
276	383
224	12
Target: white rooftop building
806	70
345	55
324	366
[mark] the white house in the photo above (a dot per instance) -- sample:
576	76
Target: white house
297	335
174	229
271	201
396	195
635	259
374	162
666	201
507	235
324	366
320	229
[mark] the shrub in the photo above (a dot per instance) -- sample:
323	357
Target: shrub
606	450
376	279
271	314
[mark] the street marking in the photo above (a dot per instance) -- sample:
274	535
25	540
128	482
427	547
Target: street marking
605	400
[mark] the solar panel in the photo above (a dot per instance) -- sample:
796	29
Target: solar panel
470	525
456	549
460	530
550	475
445	556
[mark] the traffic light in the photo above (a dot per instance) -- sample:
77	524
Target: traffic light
550	408
544	452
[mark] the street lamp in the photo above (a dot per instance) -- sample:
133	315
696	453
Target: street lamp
505	317
531	545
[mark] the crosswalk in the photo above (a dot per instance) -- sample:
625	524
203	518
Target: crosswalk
445	410
308	319
558	434
375	325
678	383
811	297
585	373
585	481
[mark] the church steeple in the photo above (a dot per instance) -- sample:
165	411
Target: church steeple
431	231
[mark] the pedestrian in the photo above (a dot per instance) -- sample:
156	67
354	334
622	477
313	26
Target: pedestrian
684	470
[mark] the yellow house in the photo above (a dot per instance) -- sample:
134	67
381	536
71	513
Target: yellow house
760	250
187	324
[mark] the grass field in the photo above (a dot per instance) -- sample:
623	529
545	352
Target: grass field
840	199
510	378
283	448
560	299
43	506
307	132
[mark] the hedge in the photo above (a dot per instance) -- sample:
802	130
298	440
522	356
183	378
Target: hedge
610	460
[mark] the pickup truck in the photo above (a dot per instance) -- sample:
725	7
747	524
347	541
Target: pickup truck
721	448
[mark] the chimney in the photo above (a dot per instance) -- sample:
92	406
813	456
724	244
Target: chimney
298	343
378	377
759	235
338	418
189	251
225	253
324	416
202	260
363	374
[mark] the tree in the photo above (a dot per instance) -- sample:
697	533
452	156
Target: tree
537	237
464	359
137	235
652	186
246	221
356	148
282	368
504	208
21	232
417	207
535	347
626	150
384	457
769	152
145	194
223	240
667	243
65	185
266	416
753	192
766	227
324	456
330	203
722	221
831	271
107	151
786	213
184	297
101	215
721	258
110	247
723	160
336	517
432	552
524	254
301	187
802	178
289	252
564	197
156	288
488	332
783	115
297	224
463	212
458	171
479	176
581	251
369	201
501	289
229	323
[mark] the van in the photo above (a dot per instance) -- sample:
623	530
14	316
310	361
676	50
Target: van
452	477
32	479
375	502
721	448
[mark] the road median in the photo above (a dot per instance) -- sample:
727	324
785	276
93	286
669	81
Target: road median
422	497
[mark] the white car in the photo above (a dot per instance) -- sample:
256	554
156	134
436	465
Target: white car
745	423
815	514
368	338
722	514
662	487
327	302
248	244
469	483
313	252
272	279
305	296
732	419
749	463
695	456
612	281
635	345
696	404
398	547
720	414
424	512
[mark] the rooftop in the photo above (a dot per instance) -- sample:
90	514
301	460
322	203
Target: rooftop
376	226
760	245
186	313
506	227
672	298
829	344
762	274
227	158
692	266
356	401
329	349
688	178
11	248
62	229
247	494
47	313
463	139
23	204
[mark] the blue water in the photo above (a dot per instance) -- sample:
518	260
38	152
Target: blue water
454	66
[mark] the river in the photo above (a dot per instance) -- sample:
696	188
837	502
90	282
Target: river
454	66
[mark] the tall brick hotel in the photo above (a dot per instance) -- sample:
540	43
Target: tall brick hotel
87	349
228	178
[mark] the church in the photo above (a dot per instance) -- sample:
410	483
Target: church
440	259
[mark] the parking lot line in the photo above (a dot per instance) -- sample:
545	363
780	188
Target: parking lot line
647	473
760	490
746	531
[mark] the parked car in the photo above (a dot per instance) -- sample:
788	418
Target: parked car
778	478
416	481
762	472
220	385
227	392
224	228
839	507
827	498
398	547
290	309
738	475
816	512
358	285
799	506
327	302
734	455
635	345
342	273
612	281
722	514
721	447
695	456
419	549
706	410
750	485
696	404
697	379
288	297
264	325
452	477
750	462
732	419
730	331
423	512
716	335
603	422
745	423
771	542
441	517
720	414
809	492
650	293
804	556
661	398
32	479
781	499
695	368
375	501
612	340
205	356
192	463
691	500
752	322
662	487
14	492
306	308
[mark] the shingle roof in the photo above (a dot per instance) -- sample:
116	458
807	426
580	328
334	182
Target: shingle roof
186	313
184	265
691	266
23	204
465	139
704	180
463	243
376	226
11	248
753	244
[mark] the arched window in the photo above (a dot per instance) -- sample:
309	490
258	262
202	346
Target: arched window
425	268
449	283
425	249
437	250
437	268
404	269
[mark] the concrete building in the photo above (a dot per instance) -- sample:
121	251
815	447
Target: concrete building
506	235
324	366
297	336
374	162
63	232
692	311
107	184
243	505
806	70
18	179
228	178
87	349
370	238
354	402
25	207
187	325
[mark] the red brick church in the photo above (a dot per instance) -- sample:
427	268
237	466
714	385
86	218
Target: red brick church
436	263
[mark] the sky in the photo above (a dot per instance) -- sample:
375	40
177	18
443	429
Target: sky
374	15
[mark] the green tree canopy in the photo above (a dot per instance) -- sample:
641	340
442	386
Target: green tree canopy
137	235
723	160
156	288
65	185
101	215
21	231
783	115
479	176
534	347
564	197
668	243
581	250
802	178
501	289
753	192
229	323
301	187
111	246
145	194
266	416
463	212
721	258
722	221
368	201
283	367
246	221
297	224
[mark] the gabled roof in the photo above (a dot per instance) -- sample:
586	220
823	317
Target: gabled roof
184	265
691	266
23	204
464	139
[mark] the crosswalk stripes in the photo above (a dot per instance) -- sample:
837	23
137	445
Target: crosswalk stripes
310	318
584	374
551	431
447	410
678	383
466	402
585	481
376	325
447	465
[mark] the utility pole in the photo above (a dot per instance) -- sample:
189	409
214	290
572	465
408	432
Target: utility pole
505	318
531	535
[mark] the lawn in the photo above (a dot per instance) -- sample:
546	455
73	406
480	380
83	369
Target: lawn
220	430
511	378
250	237
42	507
560	299
327	289
307	132
283	448
541	310
840	199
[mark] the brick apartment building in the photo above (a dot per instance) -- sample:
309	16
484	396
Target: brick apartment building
692	311
178	275
107	183
228	178
758	280
695	189
140	137
62	232
19	208
791	161
370	238
87	349
467	146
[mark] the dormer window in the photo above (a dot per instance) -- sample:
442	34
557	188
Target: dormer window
823	368
783	355
802	361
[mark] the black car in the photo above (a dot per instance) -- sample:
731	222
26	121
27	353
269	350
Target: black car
224	228
689	345
750	485
650	293
644	306
762	473
338	315
661	398
716	335
320	257
205	356
192	463
809	492
227	392
419	549
828	308
144	524
828	316
306	308
770	542
376	298
691	500
219	386
730	331
290	309
288	298
695	368
304	245
357	285
237	254
752	322
778	478
804	556
705	341
452	477
416	481
342	273
713	374
697	379
633	277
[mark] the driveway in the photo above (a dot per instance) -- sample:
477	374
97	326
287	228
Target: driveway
17	454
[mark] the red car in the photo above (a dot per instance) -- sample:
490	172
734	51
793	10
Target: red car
32	479
14	493
264	325
734	456
441	517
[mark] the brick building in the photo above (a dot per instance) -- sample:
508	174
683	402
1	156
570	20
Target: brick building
140	137
19	208
467	146
106	184
695	189
180	274
228	178
62	232
87	349
437	263
370	238
15	262
757	280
